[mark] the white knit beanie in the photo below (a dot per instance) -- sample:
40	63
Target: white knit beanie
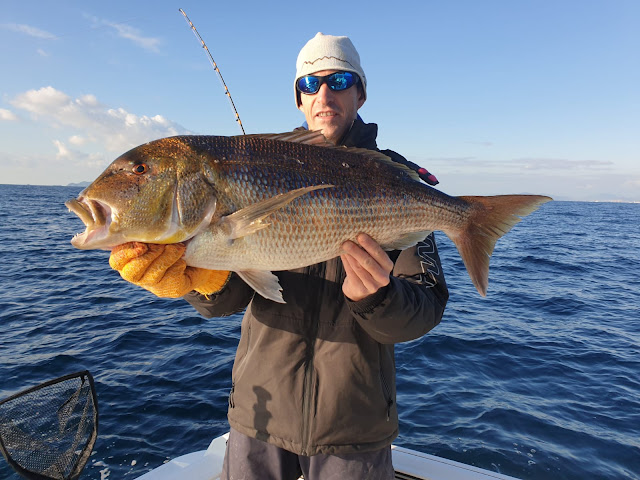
328	52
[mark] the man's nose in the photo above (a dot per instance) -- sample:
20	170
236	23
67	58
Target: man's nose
325	93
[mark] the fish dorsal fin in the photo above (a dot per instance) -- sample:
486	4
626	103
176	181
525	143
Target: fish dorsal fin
381	157
308	137
315	137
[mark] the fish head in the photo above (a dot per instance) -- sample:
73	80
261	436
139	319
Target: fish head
159	192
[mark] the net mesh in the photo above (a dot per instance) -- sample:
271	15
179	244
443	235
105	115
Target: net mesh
48	432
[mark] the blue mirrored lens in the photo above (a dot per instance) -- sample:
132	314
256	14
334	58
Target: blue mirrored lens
336	81
309	84
340	81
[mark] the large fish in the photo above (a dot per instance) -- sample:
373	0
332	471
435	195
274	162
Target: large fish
260	203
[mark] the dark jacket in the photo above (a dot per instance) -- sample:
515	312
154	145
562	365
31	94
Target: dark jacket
317	374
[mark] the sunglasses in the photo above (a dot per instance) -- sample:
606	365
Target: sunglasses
310	84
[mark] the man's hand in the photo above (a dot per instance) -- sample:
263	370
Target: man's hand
162	270
368	267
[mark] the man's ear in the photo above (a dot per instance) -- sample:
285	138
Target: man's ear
299	101
361	96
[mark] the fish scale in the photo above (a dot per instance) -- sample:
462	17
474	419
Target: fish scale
260	203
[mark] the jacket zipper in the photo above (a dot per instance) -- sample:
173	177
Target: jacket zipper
385	387
387	395
307	406
233	387
309	376
244	358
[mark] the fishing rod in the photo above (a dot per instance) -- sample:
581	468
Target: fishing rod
215	67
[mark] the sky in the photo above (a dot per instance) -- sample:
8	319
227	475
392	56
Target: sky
492	96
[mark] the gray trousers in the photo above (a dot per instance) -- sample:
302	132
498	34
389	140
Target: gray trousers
249	459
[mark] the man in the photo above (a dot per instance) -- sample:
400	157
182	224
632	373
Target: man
313	383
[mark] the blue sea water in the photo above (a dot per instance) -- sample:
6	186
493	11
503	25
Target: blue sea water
540	380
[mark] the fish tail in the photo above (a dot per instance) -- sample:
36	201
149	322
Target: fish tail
489	219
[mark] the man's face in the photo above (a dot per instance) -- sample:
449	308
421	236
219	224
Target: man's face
330	111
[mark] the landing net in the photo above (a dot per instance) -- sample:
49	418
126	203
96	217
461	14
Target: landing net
48	431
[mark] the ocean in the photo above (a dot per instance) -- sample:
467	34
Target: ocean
540	380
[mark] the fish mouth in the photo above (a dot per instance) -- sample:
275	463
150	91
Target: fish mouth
96	217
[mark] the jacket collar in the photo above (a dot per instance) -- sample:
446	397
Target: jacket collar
361	135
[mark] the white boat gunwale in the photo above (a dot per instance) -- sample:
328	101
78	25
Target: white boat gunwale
409	465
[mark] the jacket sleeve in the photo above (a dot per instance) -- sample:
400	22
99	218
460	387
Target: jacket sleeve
233	298
413	302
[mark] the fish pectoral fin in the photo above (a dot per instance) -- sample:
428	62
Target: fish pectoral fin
407	240
250	219
263	282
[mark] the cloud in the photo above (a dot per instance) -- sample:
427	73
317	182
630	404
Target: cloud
482	144
113	129
560	164
69	156
522	164
448	160
63	151
28	30
561	185
632	183
95	133
128	32
45	101
77	140
7	115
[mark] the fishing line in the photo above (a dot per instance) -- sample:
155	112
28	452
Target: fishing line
215	67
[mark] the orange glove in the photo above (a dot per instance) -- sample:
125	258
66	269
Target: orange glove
162	270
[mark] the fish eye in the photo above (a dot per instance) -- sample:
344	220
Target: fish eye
140	168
